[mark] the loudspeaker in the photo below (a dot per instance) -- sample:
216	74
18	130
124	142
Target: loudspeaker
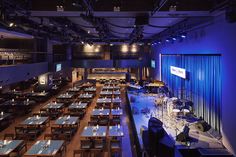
230	12
142	20
202	126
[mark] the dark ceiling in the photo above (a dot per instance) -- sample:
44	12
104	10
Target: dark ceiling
97	21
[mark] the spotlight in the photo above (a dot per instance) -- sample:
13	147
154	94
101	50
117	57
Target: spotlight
82	42
183	35
111	44
159	41
11	24
167	40
88	31
174	38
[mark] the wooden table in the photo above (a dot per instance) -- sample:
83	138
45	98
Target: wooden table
116	100
90	89
86	96
104	100
9	146
94	131
5	119
74	89
107	88
116	92
48	148
115	131
100	112
78	106
54	106
116	112
67	120
35	121
106	92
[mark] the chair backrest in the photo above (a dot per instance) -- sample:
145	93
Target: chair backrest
77	152
9	136
48	137
19	129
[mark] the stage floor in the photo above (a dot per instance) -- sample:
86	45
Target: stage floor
172	125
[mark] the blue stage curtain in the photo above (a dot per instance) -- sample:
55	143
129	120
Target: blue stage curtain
202	86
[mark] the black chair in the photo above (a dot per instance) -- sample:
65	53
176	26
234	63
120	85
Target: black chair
9	136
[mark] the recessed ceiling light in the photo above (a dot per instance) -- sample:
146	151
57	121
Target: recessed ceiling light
11	24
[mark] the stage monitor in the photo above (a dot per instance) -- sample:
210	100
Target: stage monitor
58	67
153	64
178	72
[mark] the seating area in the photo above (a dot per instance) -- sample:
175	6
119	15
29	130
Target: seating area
58	120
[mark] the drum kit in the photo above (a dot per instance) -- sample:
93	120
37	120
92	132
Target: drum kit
176	106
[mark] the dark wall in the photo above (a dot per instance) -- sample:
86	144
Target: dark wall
79	52
13	74
17	44
59	52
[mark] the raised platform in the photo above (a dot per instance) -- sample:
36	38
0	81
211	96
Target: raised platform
172	125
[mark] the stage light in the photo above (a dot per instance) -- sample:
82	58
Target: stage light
134	48
111	44
174	38
124	48
88	31
167	40
183	35
11	24
82	42
159	41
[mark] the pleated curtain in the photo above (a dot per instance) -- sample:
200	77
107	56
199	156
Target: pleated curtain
202	85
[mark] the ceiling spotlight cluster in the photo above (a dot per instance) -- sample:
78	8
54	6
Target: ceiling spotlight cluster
171	39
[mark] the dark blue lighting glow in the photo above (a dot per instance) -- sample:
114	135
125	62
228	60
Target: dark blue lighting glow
183	35
174	38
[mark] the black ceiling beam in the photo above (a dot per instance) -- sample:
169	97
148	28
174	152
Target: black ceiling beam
100	24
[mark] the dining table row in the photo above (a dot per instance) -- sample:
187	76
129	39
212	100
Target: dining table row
63	116
104	131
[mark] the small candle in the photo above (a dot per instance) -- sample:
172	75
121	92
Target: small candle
49	142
